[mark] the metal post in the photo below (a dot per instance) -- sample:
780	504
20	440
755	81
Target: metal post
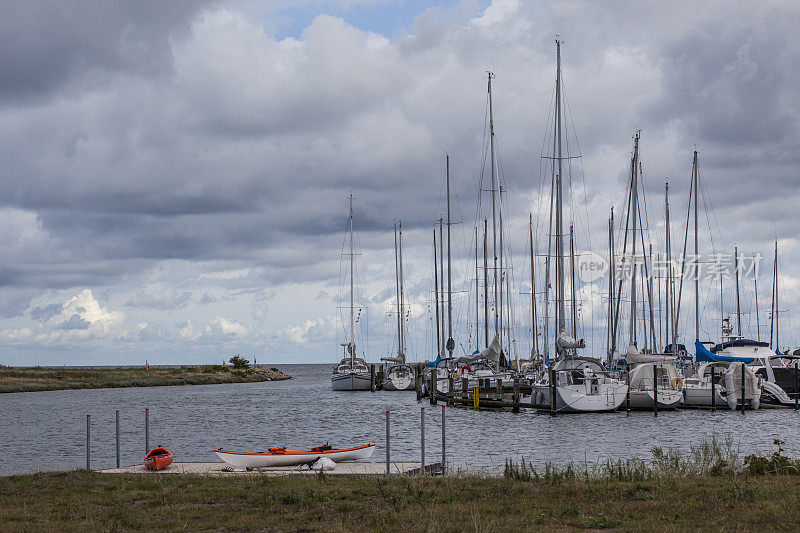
88	441
655	390
434	383
552	392
444	454
387	443
796	391
422	436
147	430
117	438
713	390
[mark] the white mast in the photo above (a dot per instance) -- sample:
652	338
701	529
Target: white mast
561	321
450	342
352	347
402	301
494	213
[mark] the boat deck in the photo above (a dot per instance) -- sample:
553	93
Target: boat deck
342	469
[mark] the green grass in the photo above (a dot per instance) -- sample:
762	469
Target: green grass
30	379
89	500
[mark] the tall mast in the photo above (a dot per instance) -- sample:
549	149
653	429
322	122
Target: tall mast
450	342
773	326
352	306
402	299
502	272
485	283
441	275
696	256
561	319
533	289
572	283
397	294
494	210
668	295
738	308
436	294
611	331
634	205
477	290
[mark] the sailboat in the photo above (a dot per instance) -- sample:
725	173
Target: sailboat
653	377
352	372
399	375
572	383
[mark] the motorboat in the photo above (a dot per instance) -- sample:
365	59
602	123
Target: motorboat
281	456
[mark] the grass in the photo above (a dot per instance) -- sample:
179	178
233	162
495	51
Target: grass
93	501
30	379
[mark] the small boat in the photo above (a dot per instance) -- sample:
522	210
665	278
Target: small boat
158	458
283	457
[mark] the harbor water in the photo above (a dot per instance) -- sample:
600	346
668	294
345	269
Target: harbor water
43	431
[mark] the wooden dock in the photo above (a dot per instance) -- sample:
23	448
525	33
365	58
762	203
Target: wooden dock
357	469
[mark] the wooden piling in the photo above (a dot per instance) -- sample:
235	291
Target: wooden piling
418	381
434	380
499	390
476	398
713	390
372	377
465	389
515	407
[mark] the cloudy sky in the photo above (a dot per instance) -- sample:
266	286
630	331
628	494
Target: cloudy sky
174	177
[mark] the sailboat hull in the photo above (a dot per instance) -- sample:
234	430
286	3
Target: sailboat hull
350	382
667	399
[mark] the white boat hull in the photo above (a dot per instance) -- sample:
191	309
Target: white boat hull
667	399
350	382
701	396
574	399
261	460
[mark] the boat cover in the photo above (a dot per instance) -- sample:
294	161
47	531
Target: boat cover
703	354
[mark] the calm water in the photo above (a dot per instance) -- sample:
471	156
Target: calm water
47	430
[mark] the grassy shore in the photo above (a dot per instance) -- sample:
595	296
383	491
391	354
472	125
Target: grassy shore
30	379
94	501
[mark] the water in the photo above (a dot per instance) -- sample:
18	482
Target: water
47	430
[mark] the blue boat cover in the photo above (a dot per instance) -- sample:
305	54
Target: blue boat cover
703	355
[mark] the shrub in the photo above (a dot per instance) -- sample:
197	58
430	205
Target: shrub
237	361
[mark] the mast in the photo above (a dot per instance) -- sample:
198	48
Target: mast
738	308
668	295
485	283
352	306
436	294
402	299
561	319
572	283
494	189
773	326
450	342
611	334
502	272
397	294
696	256
533	289
477	290
441	276
634	205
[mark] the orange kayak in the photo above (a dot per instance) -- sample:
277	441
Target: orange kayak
158	458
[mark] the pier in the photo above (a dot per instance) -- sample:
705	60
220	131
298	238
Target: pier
354	469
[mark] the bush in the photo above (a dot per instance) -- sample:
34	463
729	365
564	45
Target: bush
237	361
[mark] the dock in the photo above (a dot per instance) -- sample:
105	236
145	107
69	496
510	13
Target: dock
355	469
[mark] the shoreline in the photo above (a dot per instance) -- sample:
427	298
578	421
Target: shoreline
40	379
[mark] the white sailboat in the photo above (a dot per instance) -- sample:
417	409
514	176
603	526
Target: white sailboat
399	376
572	383
352	373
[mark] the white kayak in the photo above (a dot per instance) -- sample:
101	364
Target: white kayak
283	457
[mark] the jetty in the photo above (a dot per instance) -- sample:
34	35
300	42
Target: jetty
353	469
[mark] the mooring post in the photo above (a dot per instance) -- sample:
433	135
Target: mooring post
499	389
117	438
655	390
744	367
628	393
88	442
422	437
450	388
713	390
387	444
372	377
146	430
476	398
444	454
796	390
418	381
434	381
552	387
465	390
515	407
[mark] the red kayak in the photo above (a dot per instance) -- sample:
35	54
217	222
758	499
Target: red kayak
158	458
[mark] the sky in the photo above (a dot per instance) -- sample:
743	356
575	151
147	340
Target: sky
174	178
